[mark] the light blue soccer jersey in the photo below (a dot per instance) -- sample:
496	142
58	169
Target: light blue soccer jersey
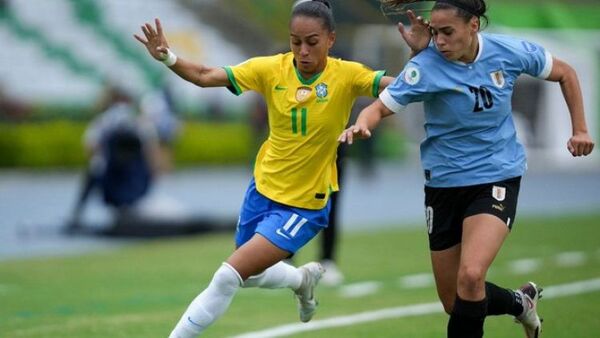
470	133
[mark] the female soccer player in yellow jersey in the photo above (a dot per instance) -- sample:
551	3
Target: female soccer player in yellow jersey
309	97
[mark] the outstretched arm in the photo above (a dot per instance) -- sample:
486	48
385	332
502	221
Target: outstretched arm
367	120
580	144
158	47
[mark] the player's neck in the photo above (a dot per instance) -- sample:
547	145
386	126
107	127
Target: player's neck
309	75
472	52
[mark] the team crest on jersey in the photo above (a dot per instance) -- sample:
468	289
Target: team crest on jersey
412	75
321	90
498	78
303	93
499	193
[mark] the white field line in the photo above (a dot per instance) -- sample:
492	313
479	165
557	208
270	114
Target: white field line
524	266
359	289
421	280
571	289
362	317
573	258
555	291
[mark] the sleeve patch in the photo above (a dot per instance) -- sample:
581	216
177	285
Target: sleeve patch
412	75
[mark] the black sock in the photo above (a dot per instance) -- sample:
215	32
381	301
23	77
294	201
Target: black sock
466	320
502	301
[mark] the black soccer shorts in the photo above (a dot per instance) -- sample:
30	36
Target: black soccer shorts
446	208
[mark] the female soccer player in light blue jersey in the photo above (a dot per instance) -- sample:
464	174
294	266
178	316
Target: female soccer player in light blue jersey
471	157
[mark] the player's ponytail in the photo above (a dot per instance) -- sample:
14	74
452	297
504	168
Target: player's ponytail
320	9
466	9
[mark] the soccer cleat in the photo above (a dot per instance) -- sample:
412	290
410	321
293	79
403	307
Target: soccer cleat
532	324
307	304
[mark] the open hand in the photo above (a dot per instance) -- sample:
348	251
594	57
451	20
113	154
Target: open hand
419	34
358	131
155	40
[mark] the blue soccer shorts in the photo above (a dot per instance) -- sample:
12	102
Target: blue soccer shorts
286	227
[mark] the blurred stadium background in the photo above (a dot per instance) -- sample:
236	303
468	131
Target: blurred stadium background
62	54
59	57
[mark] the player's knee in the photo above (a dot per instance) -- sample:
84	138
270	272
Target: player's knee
254	281
471	279
227	279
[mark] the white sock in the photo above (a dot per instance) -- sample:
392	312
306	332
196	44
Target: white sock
280	275
209	305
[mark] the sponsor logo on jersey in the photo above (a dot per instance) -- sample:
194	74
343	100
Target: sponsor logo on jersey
529	47
500	207
280	233
303	93
499	193
412	75
498	78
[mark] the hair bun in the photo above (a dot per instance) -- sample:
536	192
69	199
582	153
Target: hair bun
324	2
481	9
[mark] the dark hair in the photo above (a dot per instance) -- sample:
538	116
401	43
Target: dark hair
465	9
320	9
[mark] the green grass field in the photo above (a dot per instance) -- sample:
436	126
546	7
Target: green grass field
142	289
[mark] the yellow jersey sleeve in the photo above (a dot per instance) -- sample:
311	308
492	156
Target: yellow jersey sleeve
252	74
365	80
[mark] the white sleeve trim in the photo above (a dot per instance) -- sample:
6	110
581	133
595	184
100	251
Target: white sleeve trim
547	67
390	103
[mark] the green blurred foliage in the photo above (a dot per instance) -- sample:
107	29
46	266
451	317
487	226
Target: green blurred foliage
58	144
582	14
214	143
43	144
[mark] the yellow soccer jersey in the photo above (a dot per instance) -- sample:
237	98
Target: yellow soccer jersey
296	164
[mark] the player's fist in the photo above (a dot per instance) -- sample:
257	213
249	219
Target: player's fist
580	144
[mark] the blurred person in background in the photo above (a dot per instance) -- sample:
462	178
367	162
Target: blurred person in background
119	149
471	157
309	97
158	113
